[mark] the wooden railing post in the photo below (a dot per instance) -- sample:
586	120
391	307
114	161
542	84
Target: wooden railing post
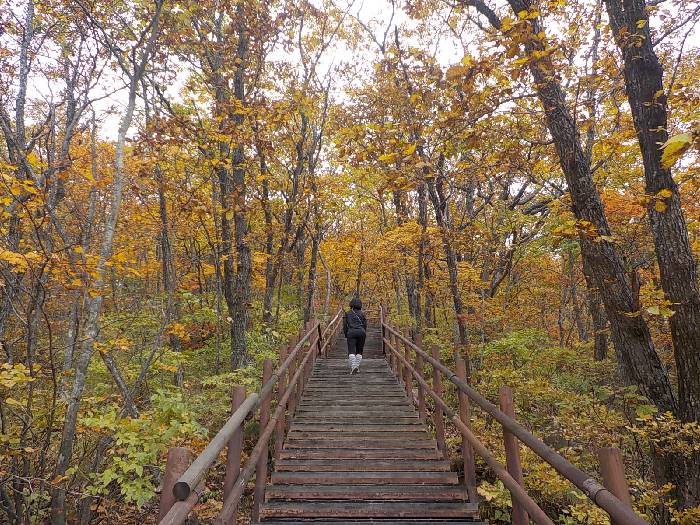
407	376
320	342
307	366
422	412
261	468
235	444
467	450
512	447
291	406
438	416
613	471
178	460
381	327
398	370
281	390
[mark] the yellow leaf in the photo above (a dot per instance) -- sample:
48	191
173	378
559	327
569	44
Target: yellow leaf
456	72
660	206
409	150
674	148
664	194
15	259
641	23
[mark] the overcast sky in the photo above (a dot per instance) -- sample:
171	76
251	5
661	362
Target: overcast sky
374	13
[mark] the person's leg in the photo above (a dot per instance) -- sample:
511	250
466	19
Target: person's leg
360	347
352	350
361	344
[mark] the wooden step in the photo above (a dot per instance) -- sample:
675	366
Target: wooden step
368	509
340	403
359	453
306	418
364	478
387	398
365	444
355	411
343	376
362	465
339	433
346	387
380	521
366	492
356	427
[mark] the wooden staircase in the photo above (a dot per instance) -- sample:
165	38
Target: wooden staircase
357	452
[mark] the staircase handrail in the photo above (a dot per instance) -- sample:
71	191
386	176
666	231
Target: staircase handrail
620	513
190	484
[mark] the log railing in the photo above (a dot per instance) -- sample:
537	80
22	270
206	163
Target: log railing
408	364
183	484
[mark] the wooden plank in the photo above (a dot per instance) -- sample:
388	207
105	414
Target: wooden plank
383	435
364	509
375	399
361	465
365	478
367	378
354	411
357	391
364	420
467	521
367	493
359	453
356	427
387	403
366	444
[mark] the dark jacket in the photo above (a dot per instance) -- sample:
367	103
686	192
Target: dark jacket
354	323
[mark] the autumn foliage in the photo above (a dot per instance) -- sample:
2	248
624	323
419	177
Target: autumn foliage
183	184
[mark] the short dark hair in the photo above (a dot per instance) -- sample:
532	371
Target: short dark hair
356	304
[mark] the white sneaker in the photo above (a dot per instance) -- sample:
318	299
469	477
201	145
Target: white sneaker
356	366
351	360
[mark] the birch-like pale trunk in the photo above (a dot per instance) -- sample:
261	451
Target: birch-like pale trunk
93	305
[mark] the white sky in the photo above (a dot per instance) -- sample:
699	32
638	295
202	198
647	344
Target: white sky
375	13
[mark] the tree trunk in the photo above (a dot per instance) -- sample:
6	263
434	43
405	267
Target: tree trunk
422	247
327	301
172	307
270	275
677	266
597	312
94	304
360	261
16	148
241	292
440	207
637	356
311	287
401	219
575	306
